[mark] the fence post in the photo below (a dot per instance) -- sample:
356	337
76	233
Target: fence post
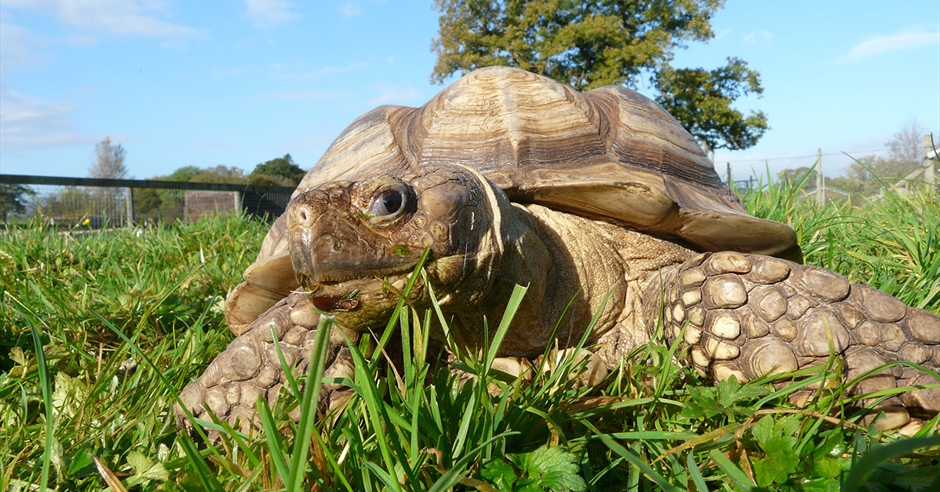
930	176
238	202
129	207
820	181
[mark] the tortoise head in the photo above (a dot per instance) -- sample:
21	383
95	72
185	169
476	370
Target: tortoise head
354	244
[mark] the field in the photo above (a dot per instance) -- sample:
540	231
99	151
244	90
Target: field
126	319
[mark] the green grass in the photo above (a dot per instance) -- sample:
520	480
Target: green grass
124	321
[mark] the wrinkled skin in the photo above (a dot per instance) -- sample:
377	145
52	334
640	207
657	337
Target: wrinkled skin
353	245
343	238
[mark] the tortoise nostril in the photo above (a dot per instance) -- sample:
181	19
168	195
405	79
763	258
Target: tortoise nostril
302	215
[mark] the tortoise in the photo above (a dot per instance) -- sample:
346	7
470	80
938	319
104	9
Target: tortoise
599	202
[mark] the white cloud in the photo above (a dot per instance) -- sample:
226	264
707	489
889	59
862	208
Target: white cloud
27	122
349	9
115	17
19	47
269	13
904	40
758	36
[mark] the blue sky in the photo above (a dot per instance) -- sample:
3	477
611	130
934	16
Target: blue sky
239	82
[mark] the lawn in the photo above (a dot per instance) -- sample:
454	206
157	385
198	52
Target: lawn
125	319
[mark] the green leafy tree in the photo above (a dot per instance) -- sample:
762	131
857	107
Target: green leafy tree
13	199
282	171
607	42
183	174
701	100
73	202
147	203
168	205
220	174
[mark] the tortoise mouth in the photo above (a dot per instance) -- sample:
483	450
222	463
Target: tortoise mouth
338	279
349	294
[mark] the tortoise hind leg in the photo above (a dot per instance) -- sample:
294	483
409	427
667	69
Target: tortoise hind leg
249	367
750	315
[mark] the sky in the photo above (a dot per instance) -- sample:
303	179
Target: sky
240	82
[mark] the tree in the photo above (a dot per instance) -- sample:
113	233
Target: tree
907	146
220	174
13	199
701	101
805	177
606	42
282	171
147	203
794	176
166	205
183	174
163	204
905	154
109	161
73	202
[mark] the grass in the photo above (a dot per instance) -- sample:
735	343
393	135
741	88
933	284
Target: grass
98	334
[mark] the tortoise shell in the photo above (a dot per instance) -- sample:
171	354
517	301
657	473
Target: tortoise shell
609	154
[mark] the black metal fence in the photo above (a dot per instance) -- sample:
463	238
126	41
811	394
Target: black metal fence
97	203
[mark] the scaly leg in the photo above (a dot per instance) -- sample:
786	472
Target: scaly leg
250	367
749	315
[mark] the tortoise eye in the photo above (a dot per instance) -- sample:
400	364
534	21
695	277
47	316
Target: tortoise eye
387	204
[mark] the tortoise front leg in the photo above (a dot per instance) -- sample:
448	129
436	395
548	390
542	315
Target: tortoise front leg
750	315
249	367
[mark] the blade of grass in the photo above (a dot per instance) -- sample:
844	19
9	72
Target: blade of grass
417	273
515	300
451	477
873	458
162	377
202	469
696	475
46	388
273	438
639	463
291	380
311	396
377	414
736	475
